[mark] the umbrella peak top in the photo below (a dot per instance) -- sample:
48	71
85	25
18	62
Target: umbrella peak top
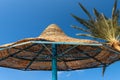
52	31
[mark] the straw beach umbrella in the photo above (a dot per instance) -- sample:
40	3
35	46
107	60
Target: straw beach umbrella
54	50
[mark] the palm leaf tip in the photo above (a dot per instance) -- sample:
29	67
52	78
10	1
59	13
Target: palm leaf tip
104	69
96	13
114	9
82	21
85	10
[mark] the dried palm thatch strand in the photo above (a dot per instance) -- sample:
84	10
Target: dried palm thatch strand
72	54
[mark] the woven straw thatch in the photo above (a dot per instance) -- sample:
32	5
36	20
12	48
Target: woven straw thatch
70	57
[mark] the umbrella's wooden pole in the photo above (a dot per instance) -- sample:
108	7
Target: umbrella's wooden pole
54	62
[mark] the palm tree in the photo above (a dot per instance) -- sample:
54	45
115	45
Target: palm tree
101	27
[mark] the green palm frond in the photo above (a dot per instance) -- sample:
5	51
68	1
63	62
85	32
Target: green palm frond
97	14
79	28
104	69
114	9
85	10
88	35
86	23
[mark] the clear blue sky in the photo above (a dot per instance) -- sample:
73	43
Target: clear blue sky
28	18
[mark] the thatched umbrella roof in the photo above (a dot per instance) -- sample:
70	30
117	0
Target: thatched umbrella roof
35	53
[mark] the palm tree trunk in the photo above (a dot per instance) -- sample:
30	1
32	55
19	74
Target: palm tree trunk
116	46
